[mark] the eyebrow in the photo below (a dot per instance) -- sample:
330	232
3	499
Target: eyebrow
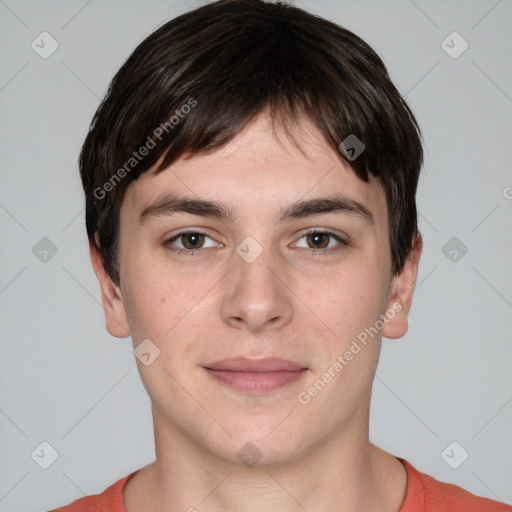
170	204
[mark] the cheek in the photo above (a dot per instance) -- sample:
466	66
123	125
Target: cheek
150	302
349	302
163	304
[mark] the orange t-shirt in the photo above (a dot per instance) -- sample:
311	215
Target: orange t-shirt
424	494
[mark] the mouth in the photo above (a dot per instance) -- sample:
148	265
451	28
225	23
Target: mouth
255	376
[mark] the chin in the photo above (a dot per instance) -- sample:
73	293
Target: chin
261	443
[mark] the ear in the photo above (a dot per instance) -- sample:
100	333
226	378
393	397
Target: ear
113	304
402	289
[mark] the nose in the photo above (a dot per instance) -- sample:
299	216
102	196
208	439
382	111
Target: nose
256	295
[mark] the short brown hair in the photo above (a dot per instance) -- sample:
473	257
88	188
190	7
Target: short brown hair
228	61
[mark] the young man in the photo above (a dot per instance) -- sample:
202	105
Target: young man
250	185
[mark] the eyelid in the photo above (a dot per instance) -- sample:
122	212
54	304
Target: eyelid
327	231
341	239
184	231
170	240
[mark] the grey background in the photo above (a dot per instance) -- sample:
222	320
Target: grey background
64	380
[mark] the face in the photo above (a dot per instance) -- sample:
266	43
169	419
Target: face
264	296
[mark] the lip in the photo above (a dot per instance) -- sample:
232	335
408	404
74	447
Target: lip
243	364
255	376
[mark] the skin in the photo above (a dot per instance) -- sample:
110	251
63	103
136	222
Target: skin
295	301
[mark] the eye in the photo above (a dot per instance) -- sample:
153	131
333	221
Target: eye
319	239
189	242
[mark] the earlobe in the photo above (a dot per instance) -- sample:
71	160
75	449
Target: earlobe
402	290
113	303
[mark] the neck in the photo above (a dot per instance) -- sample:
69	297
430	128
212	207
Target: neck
344	473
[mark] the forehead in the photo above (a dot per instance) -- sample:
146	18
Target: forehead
260	168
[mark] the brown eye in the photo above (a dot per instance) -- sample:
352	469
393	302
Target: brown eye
318	240
321	241
192	240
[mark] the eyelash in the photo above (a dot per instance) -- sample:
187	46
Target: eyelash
191	252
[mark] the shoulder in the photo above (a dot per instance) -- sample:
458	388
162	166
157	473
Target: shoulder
85	504
426	494
110	500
